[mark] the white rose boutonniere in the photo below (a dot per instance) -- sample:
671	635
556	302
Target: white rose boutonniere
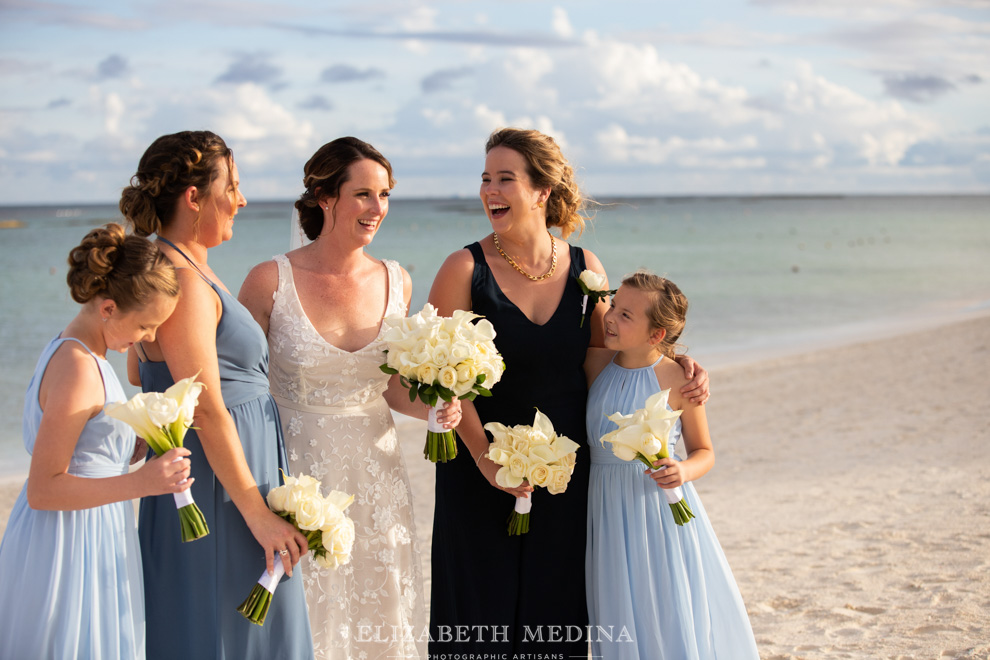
594	286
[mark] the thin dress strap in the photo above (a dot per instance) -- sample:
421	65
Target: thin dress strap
184	256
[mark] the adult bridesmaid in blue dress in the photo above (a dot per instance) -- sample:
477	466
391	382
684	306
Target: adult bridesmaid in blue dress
70	568
186	193
656	590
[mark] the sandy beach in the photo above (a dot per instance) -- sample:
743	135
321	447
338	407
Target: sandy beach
851	493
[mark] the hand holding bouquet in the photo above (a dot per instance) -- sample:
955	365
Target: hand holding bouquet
644	436
440	357
162	419
593	285
532	454
328	531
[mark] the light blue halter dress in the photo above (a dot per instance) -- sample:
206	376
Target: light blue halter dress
656	591
70	581
193	589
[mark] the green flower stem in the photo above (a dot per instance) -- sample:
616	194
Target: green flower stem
255	608
518	523
440	447
192	523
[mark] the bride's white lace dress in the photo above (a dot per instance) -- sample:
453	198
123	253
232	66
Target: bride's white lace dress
339	429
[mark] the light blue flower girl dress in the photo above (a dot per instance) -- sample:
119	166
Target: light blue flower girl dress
656	591
70	581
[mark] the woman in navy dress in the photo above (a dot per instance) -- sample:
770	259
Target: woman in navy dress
492	593
186	193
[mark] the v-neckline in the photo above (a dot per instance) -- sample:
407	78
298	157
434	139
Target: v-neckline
309	323
502	293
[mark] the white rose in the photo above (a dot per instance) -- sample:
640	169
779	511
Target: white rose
338	539
538	475
309	512
426	374
447	377
593	281
162	410
519	465
277	498
559	478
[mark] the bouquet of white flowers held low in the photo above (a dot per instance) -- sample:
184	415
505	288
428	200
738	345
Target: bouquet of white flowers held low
592	286
440	357
328	531
162	419
532	454
644	436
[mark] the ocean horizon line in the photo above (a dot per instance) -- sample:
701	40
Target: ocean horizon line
686	197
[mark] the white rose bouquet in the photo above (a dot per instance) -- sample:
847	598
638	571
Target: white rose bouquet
162	419
439	357
532	454
328	530
593	285
644	436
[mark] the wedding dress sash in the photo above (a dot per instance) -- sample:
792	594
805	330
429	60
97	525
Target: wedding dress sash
350	409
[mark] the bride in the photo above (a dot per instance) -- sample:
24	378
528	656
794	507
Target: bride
321	306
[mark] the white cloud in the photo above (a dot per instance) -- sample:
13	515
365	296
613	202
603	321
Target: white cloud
561	23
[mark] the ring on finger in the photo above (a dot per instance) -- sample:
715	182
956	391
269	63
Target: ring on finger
283	552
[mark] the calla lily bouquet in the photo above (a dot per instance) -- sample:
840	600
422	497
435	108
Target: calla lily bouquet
328	531
532	454
594	286
644	436
439	357
162	419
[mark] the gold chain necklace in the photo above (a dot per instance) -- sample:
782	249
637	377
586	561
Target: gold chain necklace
553	259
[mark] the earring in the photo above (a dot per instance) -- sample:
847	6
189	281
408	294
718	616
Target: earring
540	204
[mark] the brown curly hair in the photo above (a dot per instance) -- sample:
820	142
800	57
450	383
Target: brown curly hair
124	268
168	167
326	171
547	168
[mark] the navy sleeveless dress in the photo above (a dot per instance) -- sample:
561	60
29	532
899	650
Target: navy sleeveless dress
519	594
192	589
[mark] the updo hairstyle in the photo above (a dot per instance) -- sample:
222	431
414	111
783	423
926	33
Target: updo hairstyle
126	269
326	172
547	168
668	308
168	167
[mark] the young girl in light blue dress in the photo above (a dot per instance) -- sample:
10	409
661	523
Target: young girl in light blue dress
70	564
656	590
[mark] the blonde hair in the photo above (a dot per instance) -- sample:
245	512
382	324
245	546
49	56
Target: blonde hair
668	308
126	269
547	168
168	167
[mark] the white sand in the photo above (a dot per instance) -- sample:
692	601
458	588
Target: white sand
851	493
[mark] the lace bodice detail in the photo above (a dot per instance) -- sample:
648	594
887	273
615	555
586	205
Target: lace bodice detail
298	371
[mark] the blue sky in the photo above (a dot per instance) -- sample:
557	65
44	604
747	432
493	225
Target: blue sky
646	97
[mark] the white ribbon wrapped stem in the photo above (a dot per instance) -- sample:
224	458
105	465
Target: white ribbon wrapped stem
673	495
431	419
584	304
269	582
523	504
184	498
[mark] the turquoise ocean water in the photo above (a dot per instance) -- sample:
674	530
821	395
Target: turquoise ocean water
764	275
